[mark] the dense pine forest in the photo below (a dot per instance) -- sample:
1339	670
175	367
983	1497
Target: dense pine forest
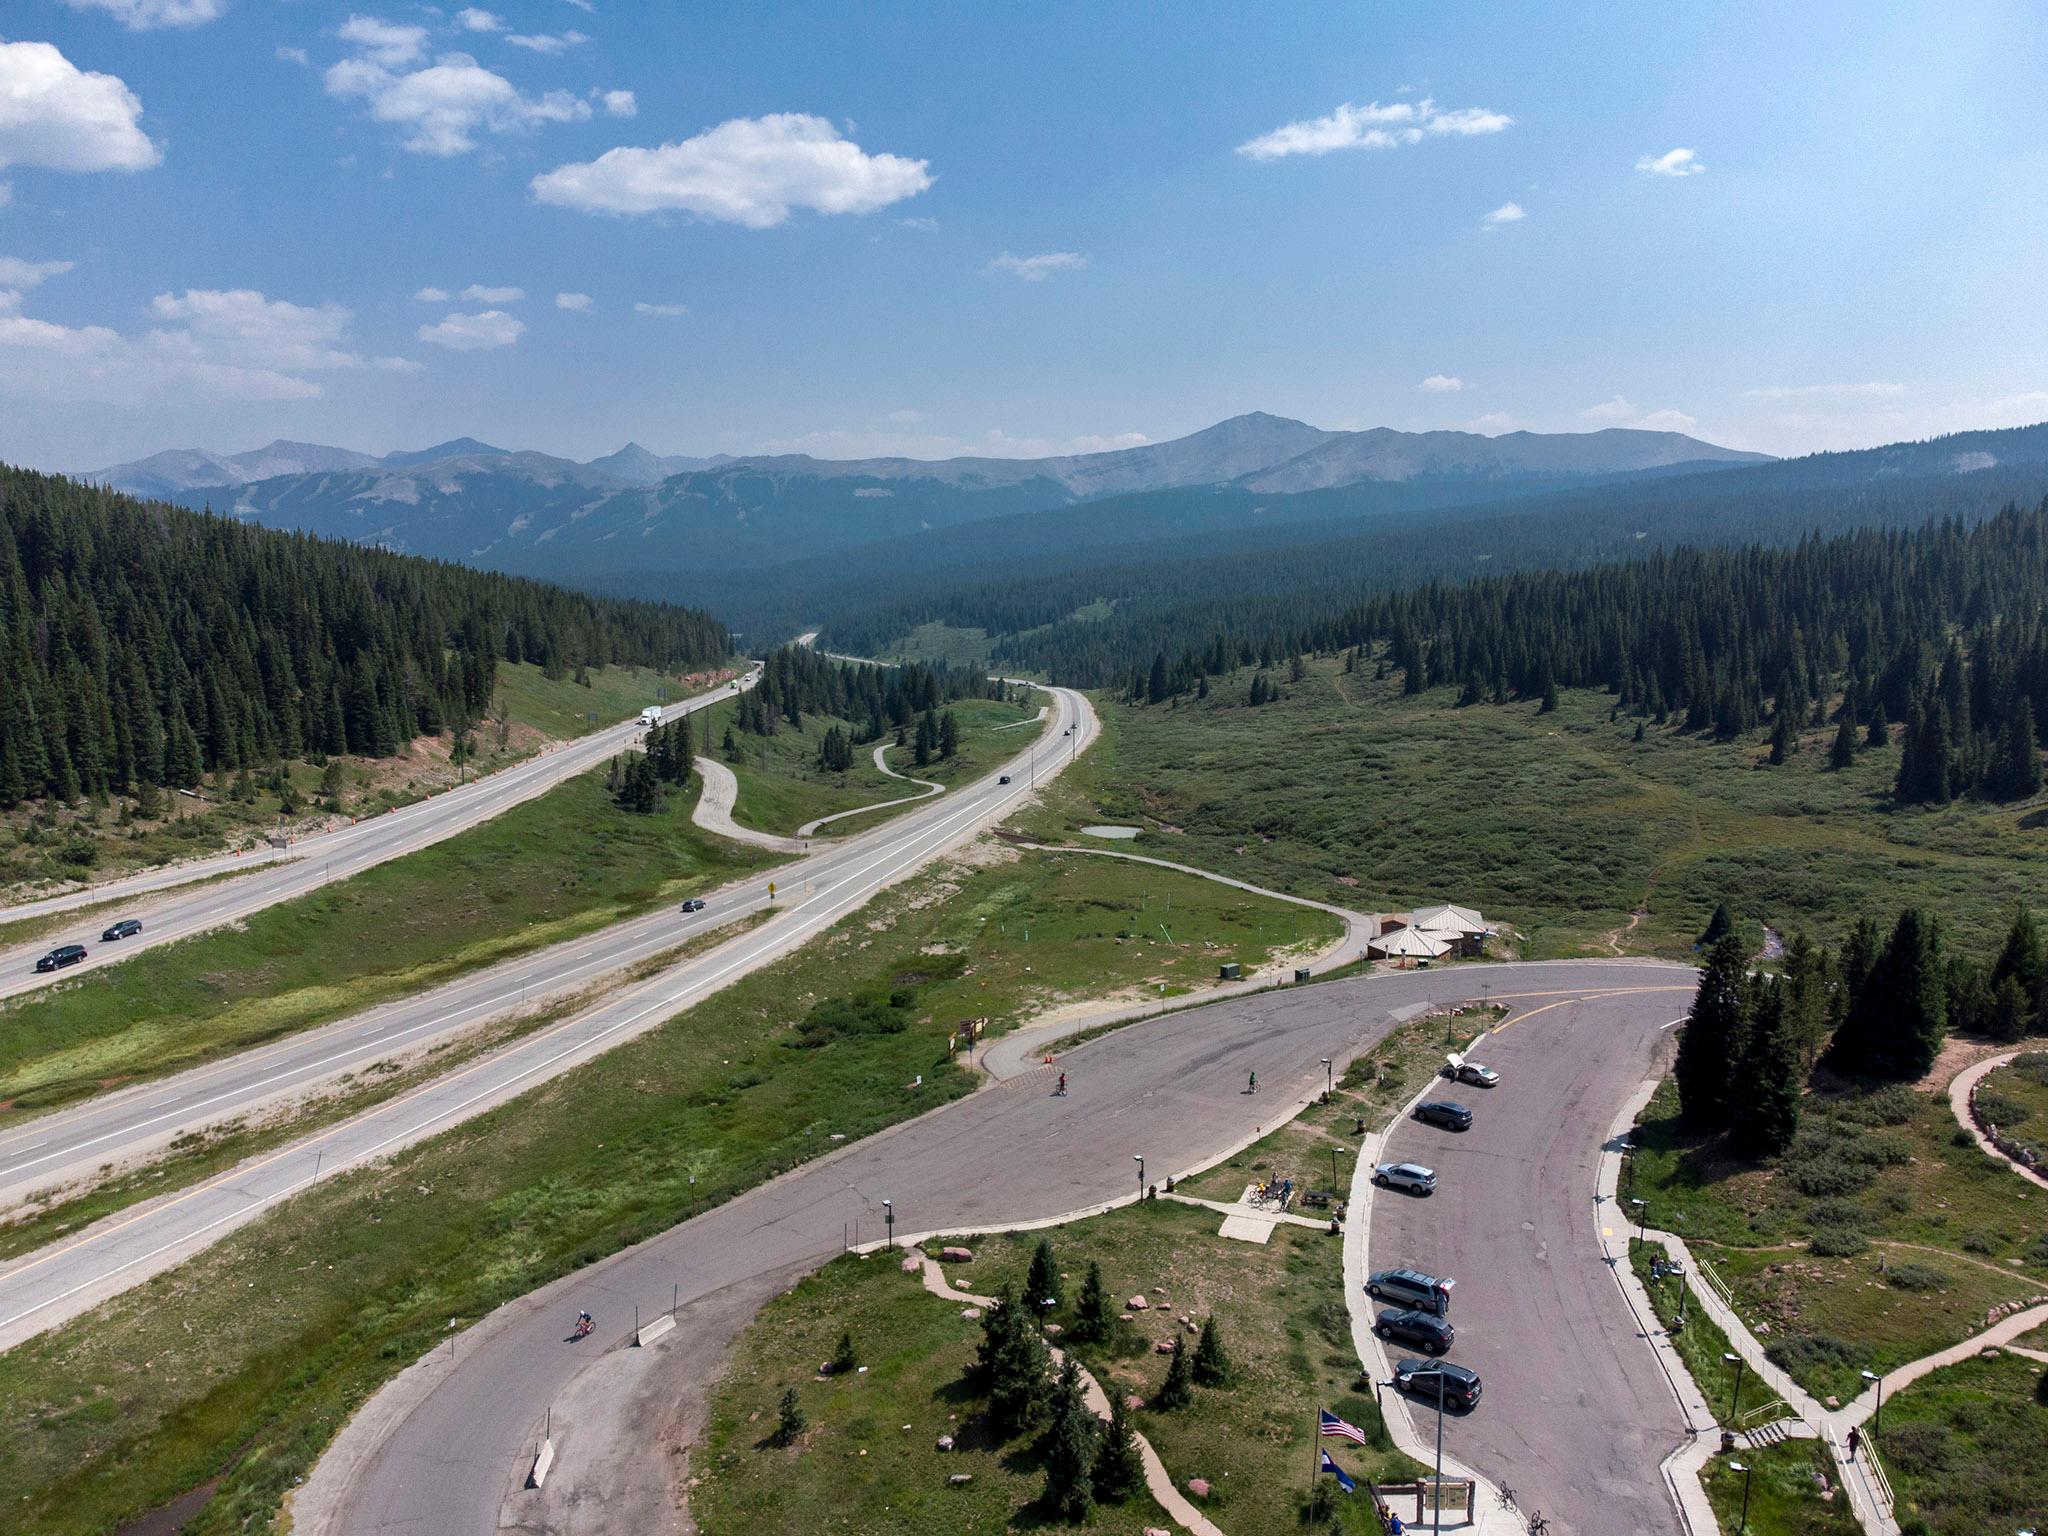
145	645
1944	628
796	681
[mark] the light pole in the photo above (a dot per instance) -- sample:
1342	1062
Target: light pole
1436	1520
1329	1081
889	1220
1744	1469
1877	1381
1642	1213
1335	1152
1139	1159
1735	1391
1628	1165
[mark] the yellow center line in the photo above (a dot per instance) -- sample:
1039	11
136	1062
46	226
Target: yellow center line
1584	997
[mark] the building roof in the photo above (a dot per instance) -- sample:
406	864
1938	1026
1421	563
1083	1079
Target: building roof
1447	919
1408	941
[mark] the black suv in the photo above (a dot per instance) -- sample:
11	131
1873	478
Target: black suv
1452	1117
694	904
1430	1379
61	956
1431	1333
127	928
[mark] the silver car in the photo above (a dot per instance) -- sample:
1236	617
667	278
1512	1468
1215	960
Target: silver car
1412	1177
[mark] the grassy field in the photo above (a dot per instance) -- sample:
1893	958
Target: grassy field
1560	824
1881	1237
2014	1098
1785	1492
781	786
241	1363
1702	1346
43	844
1279	1305
1966	1448
565	864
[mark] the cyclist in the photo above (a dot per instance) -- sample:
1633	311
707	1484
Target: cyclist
1254	1088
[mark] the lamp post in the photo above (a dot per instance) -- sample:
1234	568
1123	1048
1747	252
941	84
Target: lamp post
889	1220
1745	1469
1329	1081
1139	1159
1642	1215
1877	1381
1627	1149
1735	1391
1335	1152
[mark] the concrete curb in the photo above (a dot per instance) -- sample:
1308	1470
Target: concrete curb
666	1323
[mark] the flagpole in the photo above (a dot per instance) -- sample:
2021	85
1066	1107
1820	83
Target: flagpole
1315	1464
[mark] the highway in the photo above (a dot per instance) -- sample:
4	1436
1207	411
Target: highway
53	1284
1576	1413
445	1449
169	910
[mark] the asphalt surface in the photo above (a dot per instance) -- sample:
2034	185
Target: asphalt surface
169	912
1576	1413
446	1450
58	1282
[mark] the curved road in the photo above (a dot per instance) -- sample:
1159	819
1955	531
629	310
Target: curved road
445	1450
267	879
45	1288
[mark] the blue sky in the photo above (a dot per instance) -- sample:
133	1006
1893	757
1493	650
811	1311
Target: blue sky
1016	229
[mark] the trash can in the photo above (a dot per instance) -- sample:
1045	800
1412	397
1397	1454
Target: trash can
1232	972
1301	973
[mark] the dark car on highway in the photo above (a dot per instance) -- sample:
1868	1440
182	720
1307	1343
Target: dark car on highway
127	928
1430	1333
1443	1112
694	904
1431	1379
61	956
1004	779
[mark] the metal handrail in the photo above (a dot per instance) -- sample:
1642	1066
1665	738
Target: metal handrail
1713	1277
1749	1413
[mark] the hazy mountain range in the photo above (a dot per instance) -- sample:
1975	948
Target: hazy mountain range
634	510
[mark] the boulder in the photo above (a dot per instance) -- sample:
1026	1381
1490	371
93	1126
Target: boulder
957	1255
1053	1330
972	1314
958	1478
1136	1304
1199	1487
945	1443
911	1264
1133	1402
1165	1347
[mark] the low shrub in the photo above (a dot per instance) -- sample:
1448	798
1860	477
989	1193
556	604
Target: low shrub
2000	1110
1808	1350
1912	1276
1921	1449
1837	1242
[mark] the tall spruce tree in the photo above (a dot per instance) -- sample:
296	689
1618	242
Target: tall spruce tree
1069	1451
1042	1281
1119	1472
1766	1088
1897	1020
1713	1038
1093	1312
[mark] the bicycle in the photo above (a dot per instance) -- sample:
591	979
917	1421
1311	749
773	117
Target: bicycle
1504	1496
1537	1524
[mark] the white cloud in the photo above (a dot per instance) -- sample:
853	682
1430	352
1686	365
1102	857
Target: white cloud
432	295
1617	409
583	5
748	171
1372	127
665	311
1036	269
1441	384
6	193
145	15
475	333
1108	443
1668	421
443	106
1673	162
923	226
233	344
1618	412
549	43
293	55
906	418
1492	424
396	364
575	301
388	43
477	293
471	19
60	118
1822	391
1506	213
620	103
23	275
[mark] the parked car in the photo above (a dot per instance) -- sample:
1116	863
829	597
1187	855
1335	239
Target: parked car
1431	1379
694	904
1432	1334
1412	1177
1459	1070
127	928
61	956
1411	1288
1004	779
1443	1112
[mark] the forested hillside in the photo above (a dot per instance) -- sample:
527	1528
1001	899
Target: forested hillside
1944	627
142	644
796	681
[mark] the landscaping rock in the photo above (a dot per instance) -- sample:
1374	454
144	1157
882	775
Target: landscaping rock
1137	1304
972	1314
1133	1402
1053	1330
912	1264
1166	1347
1199	1487
958	1478
957	1255
945	1442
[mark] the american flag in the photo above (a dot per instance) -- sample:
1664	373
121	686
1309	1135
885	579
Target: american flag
1332	1425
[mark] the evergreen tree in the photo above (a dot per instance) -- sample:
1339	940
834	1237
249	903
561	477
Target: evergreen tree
1783	743
845	1358
1069	1450
949	734
927	738
789	1418
1766	1090
1012	1361
1843	752
1178	1390
1119	1472
1042	1281
1093	1312
1880	732
2022	961
2008	1015
1719	926
1155	685
1897	1020
1211	1366
1713	1038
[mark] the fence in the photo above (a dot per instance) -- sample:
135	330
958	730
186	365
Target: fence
1713	1278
